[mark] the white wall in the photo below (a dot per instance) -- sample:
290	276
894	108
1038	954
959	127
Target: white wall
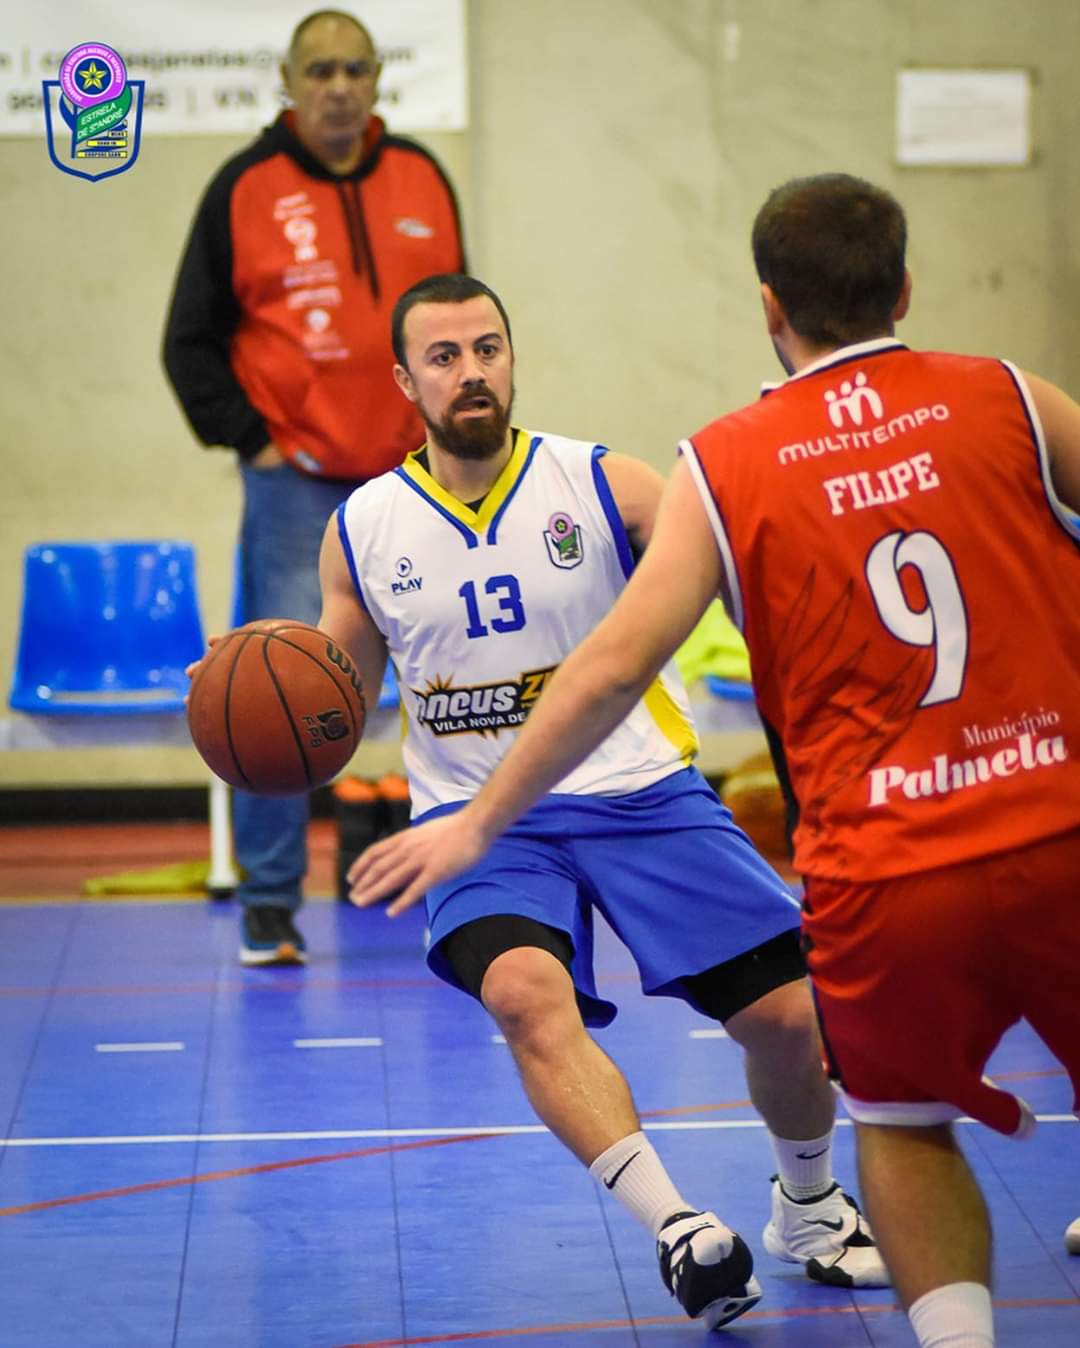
618	152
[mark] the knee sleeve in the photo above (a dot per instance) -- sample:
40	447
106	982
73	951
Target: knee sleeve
471	948
730	987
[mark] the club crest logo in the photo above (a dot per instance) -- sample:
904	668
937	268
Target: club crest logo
563	539
93	113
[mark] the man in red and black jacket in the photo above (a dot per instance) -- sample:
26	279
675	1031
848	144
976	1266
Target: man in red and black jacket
278	347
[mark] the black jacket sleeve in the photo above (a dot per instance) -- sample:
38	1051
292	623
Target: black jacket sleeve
202	317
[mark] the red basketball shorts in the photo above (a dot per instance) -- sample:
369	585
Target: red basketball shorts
917	978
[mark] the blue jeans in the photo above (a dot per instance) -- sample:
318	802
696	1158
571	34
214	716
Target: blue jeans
285	515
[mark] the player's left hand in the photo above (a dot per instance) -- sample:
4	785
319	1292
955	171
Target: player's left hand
414	861
193	669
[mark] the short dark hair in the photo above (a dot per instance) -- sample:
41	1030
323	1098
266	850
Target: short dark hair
306	22
450	287
831	248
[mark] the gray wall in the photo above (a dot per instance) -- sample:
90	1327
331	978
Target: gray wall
617	153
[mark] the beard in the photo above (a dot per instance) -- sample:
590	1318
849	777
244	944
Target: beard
476	438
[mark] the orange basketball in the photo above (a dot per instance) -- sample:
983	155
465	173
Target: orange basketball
276	708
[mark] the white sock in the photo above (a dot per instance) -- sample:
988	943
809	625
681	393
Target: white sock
805	1167
632	1172
957	1316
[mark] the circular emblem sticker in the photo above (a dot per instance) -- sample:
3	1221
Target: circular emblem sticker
91	73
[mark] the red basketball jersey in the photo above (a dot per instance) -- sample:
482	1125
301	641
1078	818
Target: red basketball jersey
909	590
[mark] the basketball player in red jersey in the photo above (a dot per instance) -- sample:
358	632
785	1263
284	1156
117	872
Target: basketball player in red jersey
890	530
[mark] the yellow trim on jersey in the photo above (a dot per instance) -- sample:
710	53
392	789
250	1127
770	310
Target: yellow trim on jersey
670	721
477	520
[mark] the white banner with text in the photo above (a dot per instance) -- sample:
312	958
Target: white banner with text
213	68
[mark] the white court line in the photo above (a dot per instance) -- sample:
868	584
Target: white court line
167	1046
337	1043
709	1034
349	1134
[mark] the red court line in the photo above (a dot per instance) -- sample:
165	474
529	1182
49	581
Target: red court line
790	1313
695	1109
212	1176
153	1186
271	1166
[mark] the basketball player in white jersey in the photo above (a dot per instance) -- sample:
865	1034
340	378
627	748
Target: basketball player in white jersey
477	566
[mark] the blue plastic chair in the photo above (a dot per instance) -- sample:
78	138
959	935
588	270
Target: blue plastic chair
107	628
732	689
389	696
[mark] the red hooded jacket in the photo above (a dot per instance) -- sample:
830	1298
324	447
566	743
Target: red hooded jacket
279	328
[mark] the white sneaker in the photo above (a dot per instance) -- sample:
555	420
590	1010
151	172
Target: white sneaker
829	1237
707	1267
1072	1237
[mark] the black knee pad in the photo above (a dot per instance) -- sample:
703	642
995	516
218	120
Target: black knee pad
471	948
727	988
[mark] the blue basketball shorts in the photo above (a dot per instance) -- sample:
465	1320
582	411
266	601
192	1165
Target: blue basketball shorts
679	883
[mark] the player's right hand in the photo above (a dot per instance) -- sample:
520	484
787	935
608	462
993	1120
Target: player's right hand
415	860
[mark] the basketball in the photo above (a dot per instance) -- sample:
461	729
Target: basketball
276	708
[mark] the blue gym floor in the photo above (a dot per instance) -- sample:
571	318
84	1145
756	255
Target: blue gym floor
188	1162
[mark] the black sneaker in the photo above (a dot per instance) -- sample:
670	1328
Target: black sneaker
707	1267
269	936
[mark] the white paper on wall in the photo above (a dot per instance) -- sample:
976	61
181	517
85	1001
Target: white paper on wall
963	117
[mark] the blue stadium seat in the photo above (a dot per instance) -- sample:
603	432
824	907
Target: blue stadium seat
735	690
107	628
388	693
237	618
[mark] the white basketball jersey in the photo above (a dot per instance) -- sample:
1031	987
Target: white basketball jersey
479	607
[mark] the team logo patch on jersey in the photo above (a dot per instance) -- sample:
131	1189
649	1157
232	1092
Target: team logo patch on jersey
480	709
563	539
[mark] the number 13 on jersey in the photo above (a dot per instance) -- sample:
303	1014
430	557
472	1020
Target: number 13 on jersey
509	611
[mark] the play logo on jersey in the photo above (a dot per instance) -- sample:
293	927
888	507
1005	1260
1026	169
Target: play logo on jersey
484	708
93	113
563	539
406	582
